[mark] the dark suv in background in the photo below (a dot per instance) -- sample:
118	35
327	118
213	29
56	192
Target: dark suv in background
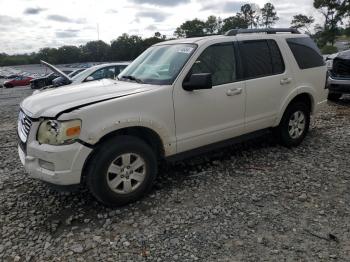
339	75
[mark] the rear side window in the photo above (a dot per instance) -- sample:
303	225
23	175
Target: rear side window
306	52
261	58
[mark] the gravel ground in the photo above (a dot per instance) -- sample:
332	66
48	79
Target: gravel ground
255	201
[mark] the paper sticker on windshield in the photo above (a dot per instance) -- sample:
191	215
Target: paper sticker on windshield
185	50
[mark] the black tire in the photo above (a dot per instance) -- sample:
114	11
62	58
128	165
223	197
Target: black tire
8	86
282	130
334	96
104	155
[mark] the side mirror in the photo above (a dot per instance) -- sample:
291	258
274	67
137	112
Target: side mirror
198	81
89	78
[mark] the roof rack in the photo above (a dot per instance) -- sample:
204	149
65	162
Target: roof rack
262	30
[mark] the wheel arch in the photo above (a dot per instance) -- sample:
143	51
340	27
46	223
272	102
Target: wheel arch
302	96
145	133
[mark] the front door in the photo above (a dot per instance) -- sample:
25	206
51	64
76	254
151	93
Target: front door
207	116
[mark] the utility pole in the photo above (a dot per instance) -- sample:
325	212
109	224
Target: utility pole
98	32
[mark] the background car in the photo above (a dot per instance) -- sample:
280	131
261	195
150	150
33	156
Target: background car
60	81
12	76
338	81
18	81
41	82
110	70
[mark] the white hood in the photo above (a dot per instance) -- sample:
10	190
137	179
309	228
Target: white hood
52	102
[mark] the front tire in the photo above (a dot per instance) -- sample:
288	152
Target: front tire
121	170
294	124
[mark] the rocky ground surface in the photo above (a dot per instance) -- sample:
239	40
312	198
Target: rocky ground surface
255	201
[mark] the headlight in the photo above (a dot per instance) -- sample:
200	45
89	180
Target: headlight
329	64
54	132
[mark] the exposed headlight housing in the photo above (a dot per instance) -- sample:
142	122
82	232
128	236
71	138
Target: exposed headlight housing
329	64
55	132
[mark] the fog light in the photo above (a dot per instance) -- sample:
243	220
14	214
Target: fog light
47	165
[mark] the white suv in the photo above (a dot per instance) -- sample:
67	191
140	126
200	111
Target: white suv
177	96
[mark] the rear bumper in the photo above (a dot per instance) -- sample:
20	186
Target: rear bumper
60	165
338	85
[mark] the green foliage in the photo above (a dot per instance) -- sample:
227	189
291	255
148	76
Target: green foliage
128	47
191	28
302	21
249	13
124	48
234	22
212	25
333	11
328	49
269	15
347	31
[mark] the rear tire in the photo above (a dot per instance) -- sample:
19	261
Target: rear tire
121	170
334	96
294	124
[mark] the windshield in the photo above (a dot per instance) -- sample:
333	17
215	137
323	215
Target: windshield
76	72
82	73
159	65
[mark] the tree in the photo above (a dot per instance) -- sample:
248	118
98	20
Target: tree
333	12
302	21
249	12
190	28
126	47
48	54
212	25
269	15
97	51
68	54
234	22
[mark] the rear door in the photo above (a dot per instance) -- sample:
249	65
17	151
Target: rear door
268	81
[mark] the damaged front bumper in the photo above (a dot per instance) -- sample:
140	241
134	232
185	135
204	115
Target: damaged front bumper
60	165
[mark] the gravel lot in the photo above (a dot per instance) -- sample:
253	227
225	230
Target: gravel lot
255	201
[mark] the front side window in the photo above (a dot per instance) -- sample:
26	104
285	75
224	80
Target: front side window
219	61
159	65
306	52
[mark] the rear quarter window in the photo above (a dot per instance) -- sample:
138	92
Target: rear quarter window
305	52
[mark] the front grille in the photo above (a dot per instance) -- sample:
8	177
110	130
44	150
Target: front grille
341	68
24	125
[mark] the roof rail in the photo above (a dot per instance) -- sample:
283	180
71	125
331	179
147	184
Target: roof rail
262	30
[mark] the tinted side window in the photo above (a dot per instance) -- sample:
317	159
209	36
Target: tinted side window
276	58
219	60
305	52
256	58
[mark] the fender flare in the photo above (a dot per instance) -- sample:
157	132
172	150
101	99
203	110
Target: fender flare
169	145
311	92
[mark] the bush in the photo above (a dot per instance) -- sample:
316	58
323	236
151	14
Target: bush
329	49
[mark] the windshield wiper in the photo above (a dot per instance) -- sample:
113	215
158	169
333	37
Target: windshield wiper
132	78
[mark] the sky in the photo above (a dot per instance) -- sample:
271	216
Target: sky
28	25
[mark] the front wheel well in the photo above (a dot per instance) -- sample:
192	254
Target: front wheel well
144	133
